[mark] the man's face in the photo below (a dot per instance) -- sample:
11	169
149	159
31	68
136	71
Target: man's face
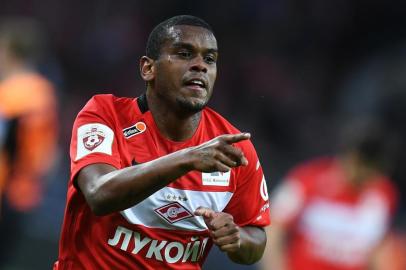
359	170
186	69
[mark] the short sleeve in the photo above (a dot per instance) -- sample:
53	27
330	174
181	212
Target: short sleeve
93	136
250	204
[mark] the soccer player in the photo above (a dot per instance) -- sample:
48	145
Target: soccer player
28	128
332	213
156	180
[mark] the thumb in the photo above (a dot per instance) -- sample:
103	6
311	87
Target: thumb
205	212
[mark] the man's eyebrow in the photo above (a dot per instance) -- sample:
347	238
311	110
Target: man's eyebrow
178	45
212	50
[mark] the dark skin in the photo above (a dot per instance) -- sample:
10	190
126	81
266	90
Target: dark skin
190	53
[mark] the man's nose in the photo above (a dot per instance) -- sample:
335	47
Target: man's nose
198	64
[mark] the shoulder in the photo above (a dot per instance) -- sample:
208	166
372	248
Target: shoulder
108	104
300	182
217	123
15	89
29	81
106	109
386	188
220	125
109	100
309	173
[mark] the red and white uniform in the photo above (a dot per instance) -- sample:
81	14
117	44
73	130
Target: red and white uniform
331	225
161	232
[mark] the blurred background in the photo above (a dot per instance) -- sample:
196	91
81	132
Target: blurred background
290	72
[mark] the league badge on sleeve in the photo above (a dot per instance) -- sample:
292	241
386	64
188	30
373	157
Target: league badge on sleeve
94	138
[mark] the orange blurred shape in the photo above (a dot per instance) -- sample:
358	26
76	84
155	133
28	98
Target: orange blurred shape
24	193
29	98
392	255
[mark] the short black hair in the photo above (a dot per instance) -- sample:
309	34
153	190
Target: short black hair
374	143
159	34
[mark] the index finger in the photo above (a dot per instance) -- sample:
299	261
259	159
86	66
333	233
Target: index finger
233	138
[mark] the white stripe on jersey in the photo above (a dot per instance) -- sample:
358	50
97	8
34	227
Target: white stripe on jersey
144	214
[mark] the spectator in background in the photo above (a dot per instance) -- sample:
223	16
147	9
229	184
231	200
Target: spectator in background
332	213
28	126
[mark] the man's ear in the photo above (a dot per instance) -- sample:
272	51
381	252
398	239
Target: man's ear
147	68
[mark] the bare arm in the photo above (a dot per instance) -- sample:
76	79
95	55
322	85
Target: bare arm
252	245
108	190
384	251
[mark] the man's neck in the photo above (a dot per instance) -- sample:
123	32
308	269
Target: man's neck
172	124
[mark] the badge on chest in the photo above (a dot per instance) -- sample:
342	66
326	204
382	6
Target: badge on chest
216	179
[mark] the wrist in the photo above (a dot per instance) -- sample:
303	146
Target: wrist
252	245
186	161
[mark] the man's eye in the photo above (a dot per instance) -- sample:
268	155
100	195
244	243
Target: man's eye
210	59
184	54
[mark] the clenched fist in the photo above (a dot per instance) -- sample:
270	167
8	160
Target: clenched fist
223	231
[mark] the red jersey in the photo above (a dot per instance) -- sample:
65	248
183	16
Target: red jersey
332	225
160	232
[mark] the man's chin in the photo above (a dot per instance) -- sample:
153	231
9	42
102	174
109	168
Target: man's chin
192	106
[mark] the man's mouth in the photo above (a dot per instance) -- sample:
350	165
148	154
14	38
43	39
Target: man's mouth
196	83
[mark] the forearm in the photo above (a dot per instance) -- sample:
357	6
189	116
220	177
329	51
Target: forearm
117	190
252	245
108	190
